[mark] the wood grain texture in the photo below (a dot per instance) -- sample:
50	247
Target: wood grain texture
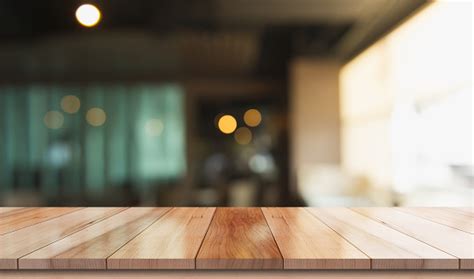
452	241
442	216
236	274
239	238
17	219
468	211
172	242
307	243
90	247
24	241
4	210
386	247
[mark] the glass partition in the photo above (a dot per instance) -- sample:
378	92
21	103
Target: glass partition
85	142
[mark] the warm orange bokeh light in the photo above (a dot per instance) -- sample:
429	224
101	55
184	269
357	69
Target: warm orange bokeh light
227	124
96	117
243	135
252	117
70	104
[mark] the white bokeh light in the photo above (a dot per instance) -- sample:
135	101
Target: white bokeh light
88	15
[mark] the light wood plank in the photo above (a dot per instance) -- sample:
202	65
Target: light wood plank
19	219
307	243
442	216
172	242
387	248
455	242
90	247
24	241
468	211
85	242
239	238
9	209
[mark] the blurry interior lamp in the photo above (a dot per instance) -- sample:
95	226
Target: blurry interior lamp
53	119
70	104
252	117
243	135
227	124
95	116
154	127
88	15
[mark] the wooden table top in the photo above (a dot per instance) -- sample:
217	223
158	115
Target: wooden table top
236	238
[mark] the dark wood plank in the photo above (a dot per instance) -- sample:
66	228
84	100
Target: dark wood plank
239	238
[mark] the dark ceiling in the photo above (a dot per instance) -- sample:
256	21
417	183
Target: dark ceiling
266	33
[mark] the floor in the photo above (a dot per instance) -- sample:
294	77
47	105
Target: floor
237	238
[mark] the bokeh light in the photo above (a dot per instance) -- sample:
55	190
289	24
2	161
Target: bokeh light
88	15
96	117
53	119
261	163
227	124
243	135
154	127
252	117
70	104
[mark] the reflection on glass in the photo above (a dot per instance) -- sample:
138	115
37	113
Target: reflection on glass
66	160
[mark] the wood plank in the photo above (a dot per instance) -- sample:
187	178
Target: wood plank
9	209
452	241
468	211
90	247
19	219
239	238
387	248
442	216
307	243
24	241
237	274
172	242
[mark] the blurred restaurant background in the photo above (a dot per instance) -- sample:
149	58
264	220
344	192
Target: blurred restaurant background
236	103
